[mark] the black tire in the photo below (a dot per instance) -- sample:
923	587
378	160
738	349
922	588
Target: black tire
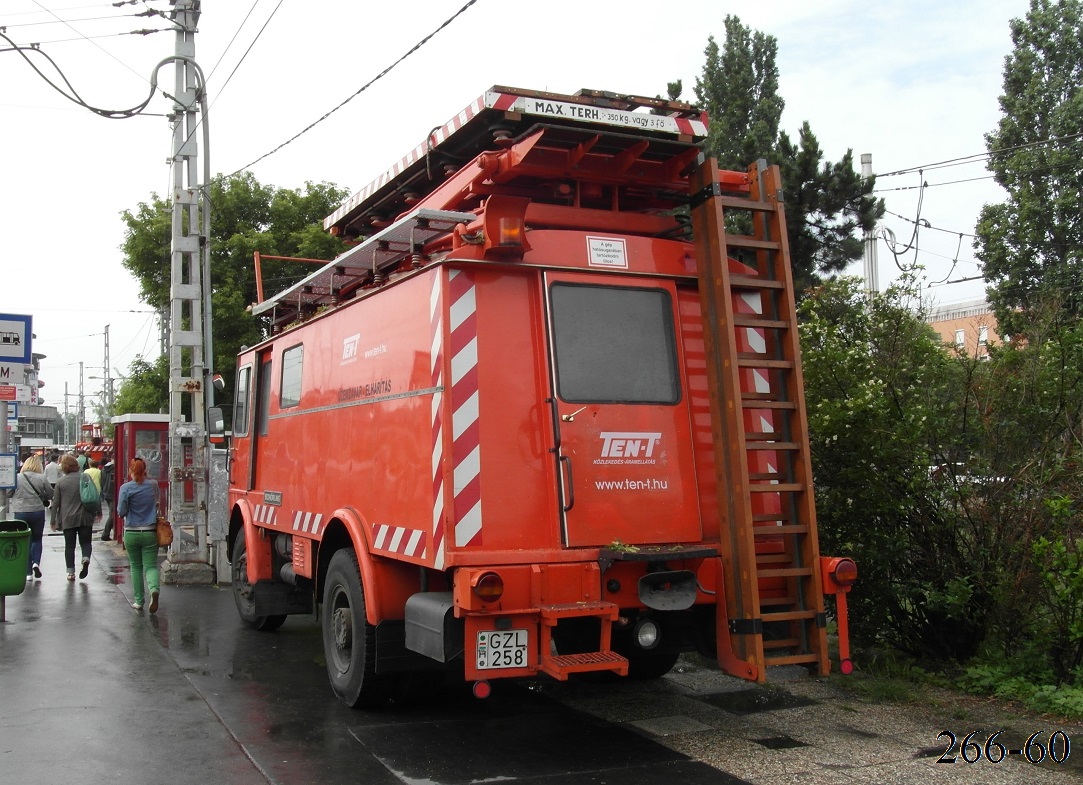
349	641
651	666
242	592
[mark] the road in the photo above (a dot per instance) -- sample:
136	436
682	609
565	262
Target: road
94	691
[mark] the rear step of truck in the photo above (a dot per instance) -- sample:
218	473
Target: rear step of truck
774	613
559	666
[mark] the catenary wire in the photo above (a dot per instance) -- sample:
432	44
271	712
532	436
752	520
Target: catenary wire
225	51
364	87
977	157
106	51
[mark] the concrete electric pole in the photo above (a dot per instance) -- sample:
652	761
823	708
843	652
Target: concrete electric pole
872	275
189	556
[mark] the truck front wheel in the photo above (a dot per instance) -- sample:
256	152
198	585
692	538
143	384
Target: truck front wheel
242	592
349	641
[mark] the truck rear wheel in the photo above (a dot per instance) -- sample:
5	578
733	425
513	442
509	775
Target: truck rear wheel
349	641
242	592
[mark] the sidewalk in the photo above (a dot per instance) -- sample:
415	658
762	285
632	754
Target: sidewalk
88	693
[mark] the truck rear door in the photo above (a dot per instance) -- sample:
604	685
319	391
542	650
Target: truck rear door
624	444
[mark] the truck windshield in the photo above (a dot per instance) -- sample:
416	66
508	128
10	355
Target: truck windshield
614	344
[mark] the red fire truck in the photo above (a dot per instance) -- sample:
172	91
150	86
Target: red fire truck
545	416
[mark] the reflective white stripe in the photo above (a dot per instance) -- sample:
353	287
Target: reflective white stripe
462	308
468	469
469	526
411	545
396	538
753	301
465	361
465	416
756	340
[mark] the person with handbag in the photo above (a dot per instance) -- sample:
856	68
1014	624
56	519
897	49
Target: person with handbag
137	504
76	521
29	499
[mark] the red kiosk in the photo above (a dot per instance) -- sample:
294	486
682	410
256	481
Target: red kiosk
143	436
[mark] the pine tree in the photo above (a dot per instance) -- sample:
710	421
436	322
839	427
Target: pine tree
826	203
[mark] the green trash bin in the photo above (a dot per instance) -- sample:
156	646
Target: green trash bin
14	556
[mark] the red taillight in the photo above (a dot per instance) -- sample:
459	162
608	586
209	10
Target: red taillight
488	586
844	572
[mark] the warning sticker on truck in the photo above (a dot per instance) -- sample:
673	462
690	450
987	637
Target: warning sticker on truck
607	252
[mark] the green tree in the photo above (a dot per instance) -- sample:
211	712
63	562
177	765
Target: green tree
883	399
1031	245
739	91
146	390
826	203
246	217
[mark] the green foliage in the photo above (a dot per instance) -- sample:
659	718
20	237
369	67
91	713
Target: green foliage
1031	245
826	203
146	390
1001	680
246	216
955	483
739	91
1059	565
880	391
828	208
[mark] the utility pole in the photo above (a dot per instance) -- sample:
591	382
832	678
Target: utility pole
188	559
872	275
82	401
108	377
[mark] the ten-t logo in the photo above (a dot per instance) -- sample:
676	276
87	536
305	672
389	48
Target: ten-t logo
349	348
631	444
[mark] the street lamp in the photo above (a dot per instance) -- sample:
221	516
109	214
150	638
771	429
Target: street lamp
109	396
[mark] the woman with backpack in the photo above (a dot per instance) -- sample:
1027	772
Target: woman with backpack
71	516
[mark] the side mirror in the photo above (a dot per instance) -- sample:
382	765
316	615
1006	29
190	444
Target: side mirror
216	422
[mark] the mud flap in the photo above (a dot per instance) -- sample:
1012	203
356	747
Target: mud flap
277	599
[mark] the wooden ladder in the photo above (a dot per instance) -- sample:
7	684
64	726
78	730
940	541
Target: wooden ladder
773	611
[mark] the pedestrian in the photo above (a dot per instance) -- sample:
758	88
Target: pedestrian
71	517
81	459
52	469
93	472
137	504
109	478
29	498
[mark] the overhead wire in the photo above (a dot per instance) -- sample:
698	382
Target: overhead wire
106	51
978	157
246	51
362	89
221	57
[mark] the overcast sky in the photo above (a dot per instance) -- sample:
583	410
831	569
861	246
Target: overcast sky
913	83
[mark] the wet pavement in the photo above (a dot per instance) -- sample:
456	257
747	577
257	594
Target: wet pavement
94	691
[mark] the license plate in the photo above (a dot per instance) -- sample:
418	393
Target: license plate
502	649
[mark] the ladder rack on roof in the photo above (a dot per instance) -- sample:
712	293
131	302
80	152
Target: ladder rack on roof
587	127
340	278
494	120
